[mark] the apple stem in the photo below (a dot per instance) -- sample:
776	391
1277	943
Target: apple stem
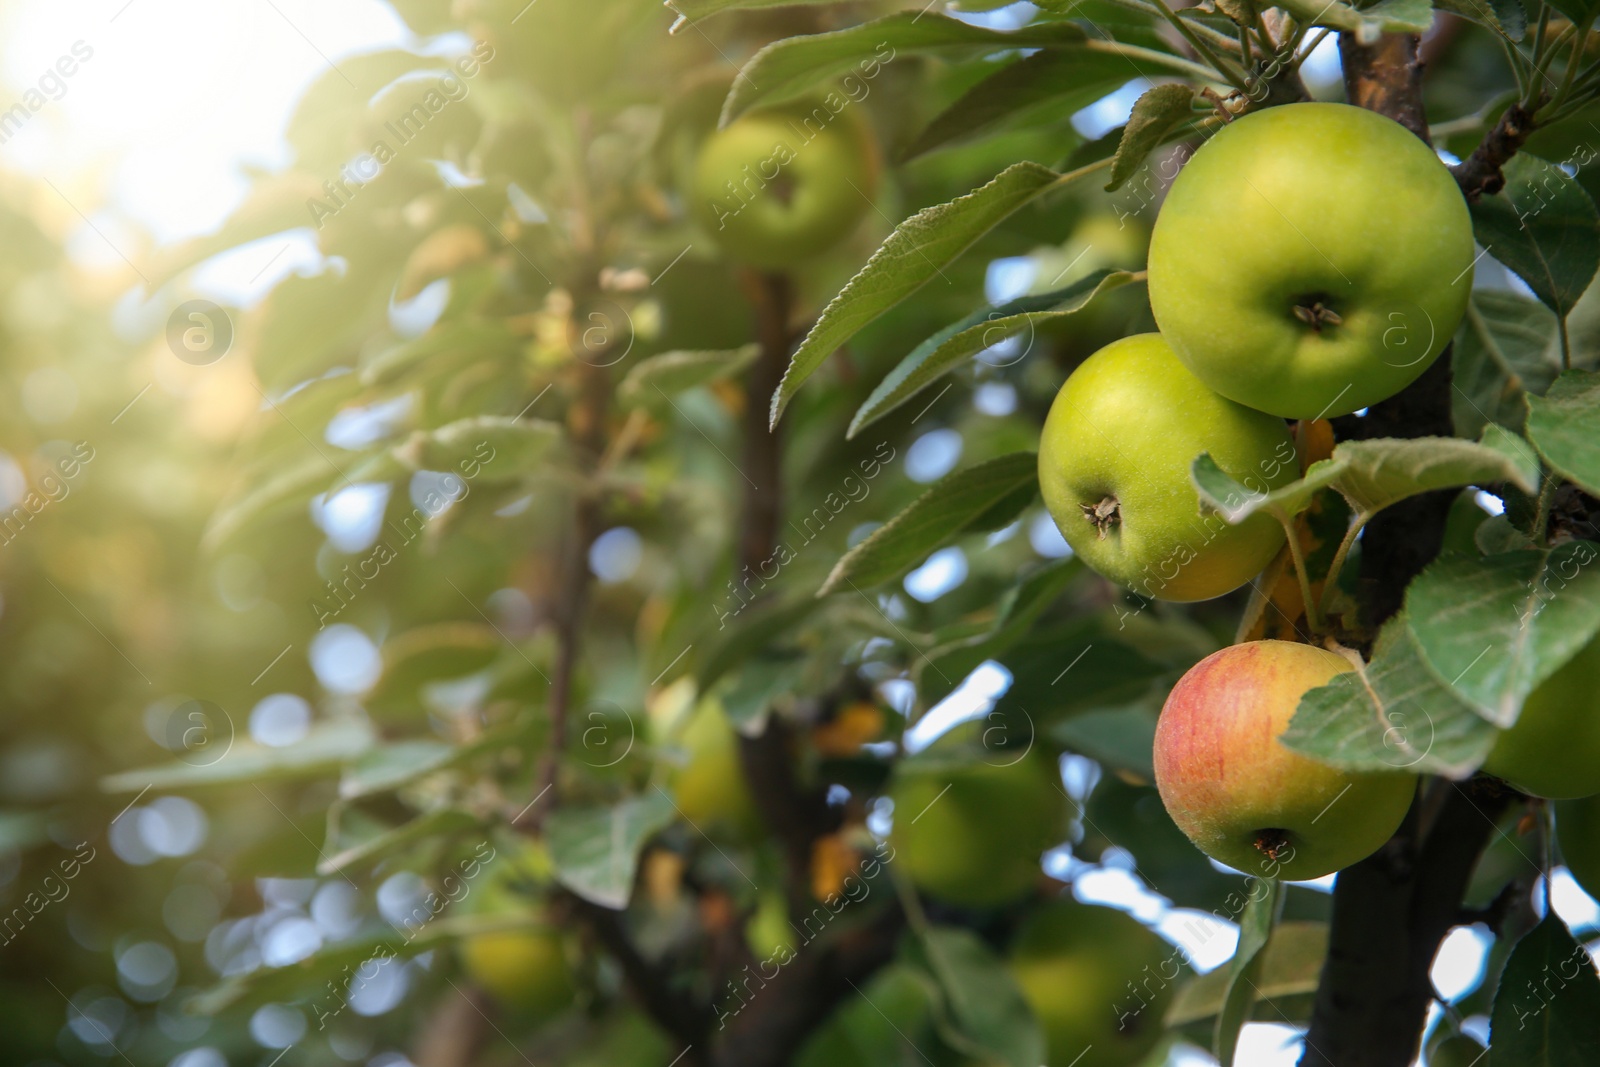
1272	843
1296	553
1103	515
1317	315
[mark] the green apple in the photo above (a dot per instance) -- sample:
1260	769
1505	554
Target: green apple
786	183
1553	750
1114	466
970	832
1098	982
525	968
1311	259
1458	1051
1244	798
1578	831
709	784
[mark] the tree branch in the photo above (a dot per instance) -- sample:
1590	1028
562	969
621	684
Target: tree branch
673	1009
1480	173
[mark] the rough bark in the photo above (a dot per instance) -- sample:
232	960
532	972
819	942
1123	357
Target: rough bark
1480	173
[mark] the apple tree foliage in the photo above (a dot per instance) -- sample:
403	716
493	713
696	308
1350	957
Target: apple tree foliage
617	475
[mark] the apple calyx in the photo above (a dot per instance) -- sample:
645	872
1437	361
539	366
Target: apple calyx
1273	844
1103	515
1317	315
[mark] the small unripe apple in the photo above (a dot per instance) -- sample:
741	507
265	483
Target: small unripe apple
1578	832
971	832
525	969
1553	749
1311	260
709	785
1098	982
1244	798
786	183
1114	464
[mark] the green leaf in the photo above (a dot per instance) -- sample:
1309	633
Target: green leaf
321	751
1155	115
766	622
983	1010
285	492
1383	471
1393	714
787	68
670	373
1544	227
945	510
1504	16
912	255
1375	473
1291	966
1506	346
596	850
1579	11
1493	628
961	340
1255	929
438	652
447	345
338	960
444	822
387	767
1547	1009
1122	737
1068	78
1019	608
1235	501
1564	425
1388	16
495	448
698	9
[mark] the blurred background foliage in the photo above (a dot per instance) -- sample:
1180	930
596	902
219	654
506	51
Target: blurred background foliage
280	656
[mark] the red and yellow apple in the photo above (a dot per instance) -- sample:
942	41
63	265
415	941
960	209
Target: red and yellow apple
1241	795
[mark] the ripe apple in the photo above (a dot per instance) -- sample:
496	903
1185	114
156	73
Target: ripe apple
1578	832
709	785
970	832
1114	466
1310	260
1096	980
526	969
1244	798
786	183
1553	749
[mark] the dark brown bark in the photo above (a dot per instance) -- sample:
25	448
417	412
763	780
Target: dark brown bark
1390	912
1385	77
1480	173
772	1026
